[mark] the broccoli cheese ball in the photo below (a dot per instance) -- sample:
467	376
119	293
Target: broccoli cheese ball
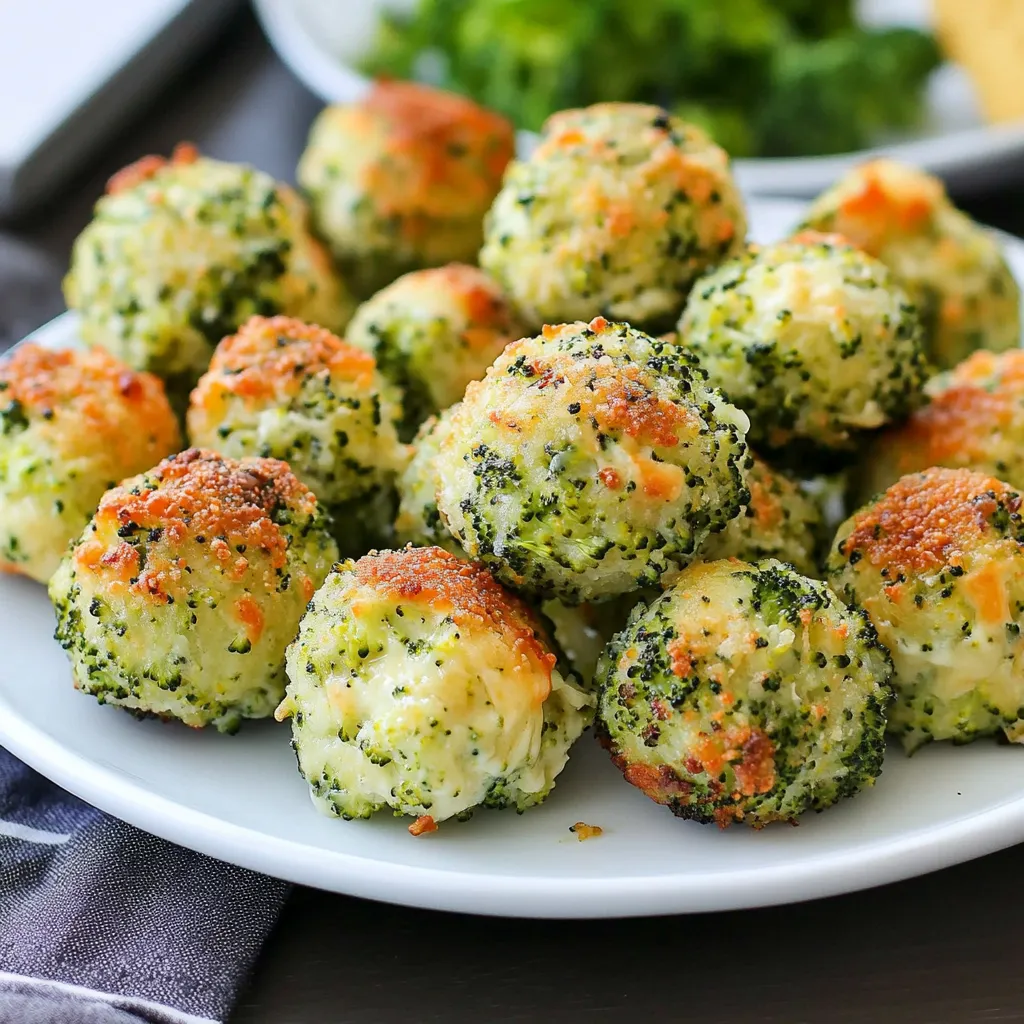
182	594
432	332
617	212
402	179
180	252
72	424
745	693
418	683
953	269
588	461
288	390
937	562
975	420
813	339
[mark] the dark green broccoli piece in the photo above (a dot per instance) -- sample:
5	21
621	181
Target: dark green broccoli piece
762	76
817	18
835	95
13	418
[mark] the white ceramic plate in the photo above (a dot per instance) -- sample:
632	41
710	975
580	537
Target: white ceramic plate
240	798
316	39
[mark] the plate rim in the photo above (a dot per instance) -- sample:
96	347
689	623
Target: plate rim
879	861
956	156
920	852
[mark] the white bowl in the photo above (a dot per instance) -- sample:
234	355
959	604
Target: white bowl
318	40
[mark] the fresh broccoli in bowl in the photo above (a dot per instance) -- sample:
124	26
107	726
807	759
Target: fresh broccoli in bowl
764	78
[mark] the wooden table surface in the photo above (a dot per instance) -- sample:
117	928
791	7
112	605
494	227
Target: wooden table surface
946	947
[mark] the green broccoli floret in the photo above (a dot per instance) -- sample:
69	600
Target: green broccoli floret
12	418
763	76
817	18
835	95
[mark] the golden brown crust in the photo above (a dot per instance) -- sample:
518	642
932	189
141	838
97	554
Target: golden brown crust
437	141
147	167
927	520
616	397
623	402
985	394
200	497
748	751
568	130
273	355
481	299
887	199
95	389
464	590
44	379
416	111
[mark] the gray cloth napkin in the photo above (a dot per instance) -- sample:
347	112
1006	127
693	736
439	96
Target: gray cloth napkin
103	924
